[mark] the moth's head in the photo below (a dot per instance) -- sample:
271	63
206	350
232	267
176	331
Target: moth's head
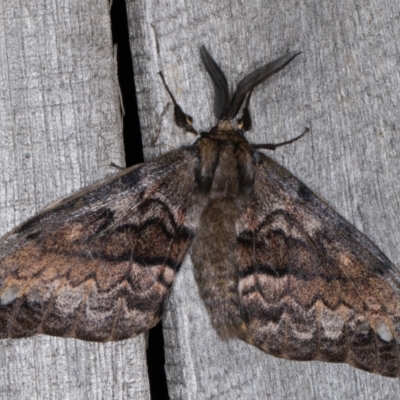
227	107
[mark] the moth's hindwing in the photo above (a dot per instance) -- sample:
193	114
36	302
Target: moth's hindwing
311	285
99	264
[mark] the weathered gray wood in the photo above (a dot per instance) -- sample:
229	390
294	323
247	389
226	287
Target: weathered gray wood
345	86
60	127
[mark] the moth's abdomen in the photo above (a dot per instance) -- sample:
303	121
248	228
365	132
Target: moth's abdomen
225	175
214	256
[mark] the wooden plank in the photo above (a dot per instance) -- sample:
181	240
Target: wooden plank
345	86
60	128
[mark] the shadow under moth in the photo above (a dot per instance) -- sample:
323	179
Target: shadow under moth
275	265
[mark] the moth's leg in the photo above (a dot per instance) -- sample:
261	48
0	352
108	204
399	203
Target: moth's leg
271	146
112	164
183	120
244	123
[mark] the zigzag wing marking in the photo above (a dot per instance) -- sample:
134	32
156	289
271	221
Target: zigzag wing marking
98	265
311	285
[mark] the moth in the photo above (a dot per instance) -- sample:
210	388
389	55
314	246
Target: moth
275	265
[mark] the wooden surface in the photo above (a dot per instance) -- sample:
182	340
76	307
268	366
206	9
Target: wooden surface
345	86
60	128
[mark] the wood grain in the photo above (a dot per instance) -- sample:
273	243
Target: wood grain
60	128
345	87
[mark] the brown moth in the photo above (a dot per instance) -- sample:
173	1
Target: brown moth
275	265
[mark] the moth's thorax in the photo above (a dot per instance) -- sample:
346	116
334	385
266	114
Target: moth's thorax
226	162
224	126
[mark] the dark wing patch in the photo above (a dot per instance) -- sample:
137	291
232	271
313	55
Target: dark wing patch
249	82
312	286
221	91
99	264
